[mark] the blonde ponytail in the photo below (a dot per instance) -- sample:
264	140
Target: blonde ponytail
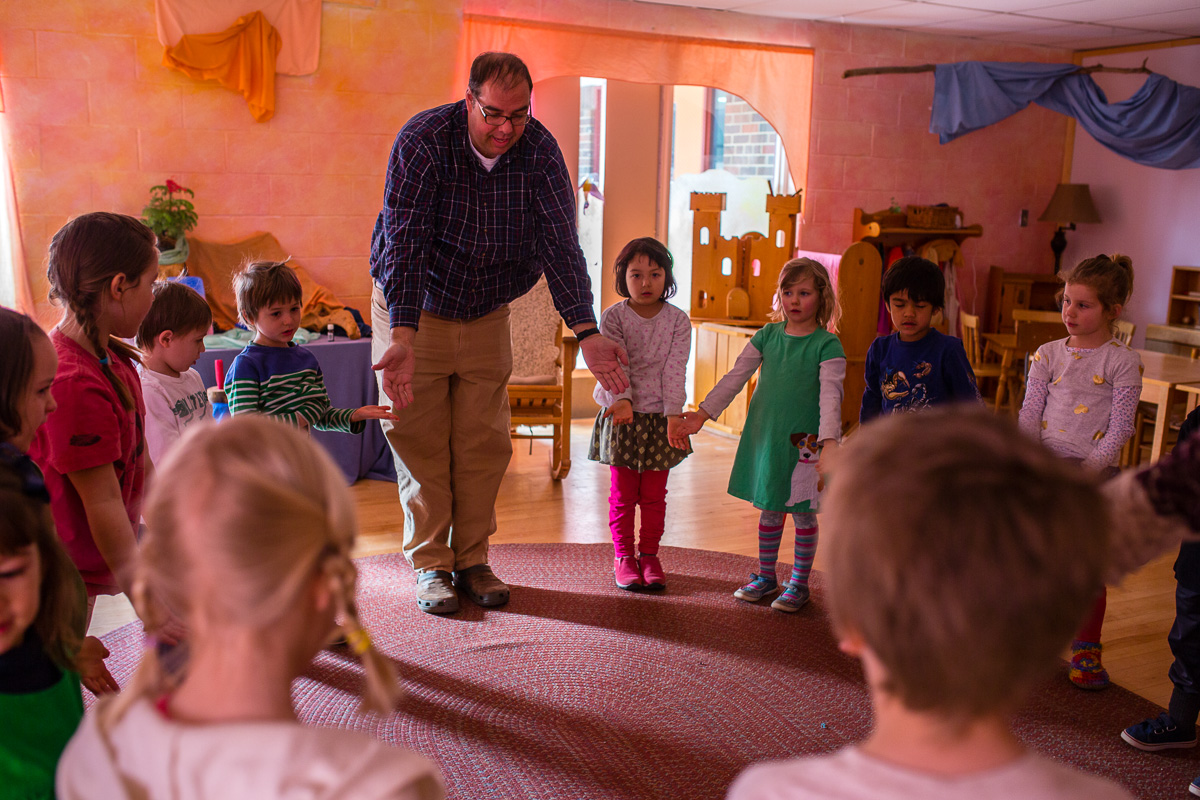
382	687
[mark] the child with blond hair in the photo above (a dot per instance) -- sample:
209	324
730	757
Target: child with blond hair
250	532
1081	398
962	558
794	420
171	338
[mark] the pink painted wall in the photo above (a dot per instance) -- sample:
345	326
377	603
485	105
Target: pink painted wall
870	139
1147	213
94	120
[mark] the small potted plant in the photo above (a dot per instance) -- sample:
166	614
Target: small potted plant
169	214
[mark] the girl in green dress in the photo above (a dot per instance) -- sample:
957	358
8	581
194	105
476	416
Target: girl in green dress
793	421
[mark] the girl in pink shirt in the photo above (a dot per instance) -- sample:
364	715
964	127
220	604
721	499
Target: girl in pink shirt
635	431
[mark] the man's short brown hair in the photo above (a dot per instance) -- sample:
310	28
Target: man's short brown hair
964	554
263	283
505	69
177	308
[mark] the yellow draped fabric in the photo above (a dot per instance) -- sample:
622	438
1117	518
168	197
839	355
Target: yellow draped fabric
241	58
775	80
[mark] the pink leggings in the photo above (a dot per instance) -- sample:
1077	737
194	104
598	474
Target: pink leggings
630	489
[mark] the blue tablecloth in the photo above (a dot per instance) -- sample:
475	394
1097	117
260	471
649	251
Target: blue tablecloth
346	365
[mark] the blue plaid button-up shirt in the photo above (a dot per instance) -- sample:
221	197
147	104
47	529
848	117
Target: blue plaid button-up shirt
459	241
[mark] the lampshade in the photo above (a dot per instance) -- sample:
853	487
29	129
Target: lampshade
1072	202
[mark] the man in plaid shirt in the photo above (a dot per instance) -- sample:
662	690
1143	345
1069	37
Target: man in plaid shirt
478	204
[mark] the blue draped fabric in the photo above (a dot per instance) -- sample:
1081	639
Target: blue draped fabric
1159	126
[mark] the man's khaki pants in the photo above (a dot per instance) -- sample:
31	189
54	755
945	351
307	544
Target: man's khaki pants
451	445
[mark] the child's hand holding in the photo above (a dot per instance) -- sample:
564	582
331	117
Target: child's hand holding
621	412
828	458
675	435
92	672
373	412
692	421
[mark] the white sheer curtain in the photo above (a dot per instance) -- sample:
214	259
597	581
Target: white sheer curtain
14	281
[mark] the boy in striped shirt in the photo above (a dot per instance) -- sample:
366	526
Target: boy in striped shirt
274	377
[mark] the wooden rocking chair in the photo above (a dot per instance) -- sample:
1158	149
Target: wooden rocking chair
539	391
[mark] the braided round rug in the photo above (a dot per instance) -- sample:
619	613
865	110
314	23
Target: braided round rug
577	689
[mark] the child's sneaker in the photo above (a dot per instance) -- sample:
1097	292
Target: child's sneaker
794	596
627	572
1194	788
652	572
1086	671
759	587
1159	733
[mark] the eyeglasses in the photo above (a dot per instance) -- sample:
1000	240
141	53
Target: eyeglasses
496	120
33	483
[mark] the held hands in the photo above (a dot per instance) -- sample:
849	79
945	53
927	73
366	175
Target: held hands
675	435
604	358
373	412
690	422
621	412
827	461
398	364
92	673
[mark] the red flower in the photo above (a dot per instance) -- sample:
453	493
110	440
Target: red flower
173	187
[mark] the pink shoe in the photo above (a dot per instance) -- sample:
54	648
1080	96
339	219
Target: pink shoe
627	572
652	572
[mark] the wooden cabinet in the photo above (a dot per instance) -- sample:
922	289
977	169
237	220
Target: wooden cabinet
1183	308
717	348
1026	290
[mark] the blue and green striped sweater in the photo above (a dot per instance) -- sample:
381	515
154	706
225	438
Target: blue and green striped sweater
284	382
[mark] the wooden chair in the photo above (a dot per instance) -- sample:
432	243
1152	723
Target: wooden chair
984	370
1125	331
539	391
1033	329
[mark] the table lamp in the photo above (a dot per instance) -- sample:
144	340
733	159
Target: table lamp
1071	203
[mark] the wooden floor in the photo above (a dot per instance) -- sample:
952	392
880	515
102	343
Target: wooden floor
533	508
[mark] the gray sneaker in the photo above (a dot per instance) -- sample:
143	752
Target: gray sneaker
792	599
435	593
759	587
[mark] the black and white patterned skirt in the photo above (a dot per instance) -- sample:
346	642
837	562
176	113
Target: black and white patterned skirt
641	445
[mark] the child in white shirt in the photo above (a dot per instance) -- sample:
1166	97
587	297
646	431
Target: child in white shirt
171	338
250	530
963	556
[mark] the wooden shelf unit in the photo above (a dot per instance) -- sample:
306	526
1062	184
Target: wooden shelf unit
1183	307
717	347
888	229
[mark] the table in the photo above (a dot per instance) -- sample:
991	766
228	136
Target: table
1164	376
346	365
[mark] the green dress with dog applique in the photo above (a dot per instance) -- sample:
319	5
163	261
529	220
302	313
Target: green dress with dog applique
786	401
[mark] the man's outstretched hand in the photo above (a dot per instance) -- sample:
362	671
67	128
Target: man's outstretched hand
398	363
605	358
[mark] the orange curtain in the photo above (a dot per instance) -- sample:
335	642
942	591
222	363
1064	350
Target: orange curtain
776	81
298	23
241	58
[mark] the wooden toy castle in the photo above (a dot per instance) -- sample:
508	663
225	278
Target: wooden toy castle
734	279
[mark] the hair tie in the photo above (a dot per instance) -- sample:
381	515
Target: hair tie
359	641
104	359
